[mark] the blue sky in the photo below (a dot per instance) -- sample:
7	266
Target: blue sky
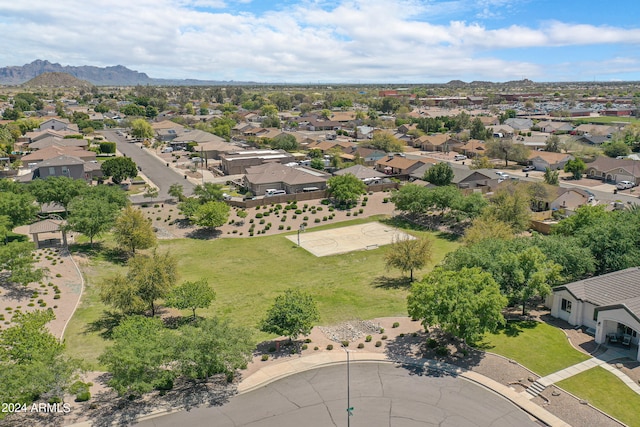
350	41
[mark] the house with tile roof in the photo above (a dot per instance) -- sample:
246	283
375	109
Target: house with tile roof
608	304
399	165
292	179
614	170
542	160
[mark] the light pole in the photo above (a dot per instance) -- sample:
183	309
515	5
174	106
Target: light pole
301	229
349	407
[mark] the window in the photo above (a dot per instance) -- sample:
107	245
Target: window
65	171
52	171
566	305
595	316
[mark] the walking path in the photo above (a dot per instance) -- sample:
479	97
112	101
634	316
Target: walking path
603	360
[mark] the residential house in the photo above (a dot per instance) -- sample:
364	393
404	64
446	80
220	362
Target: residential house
473	148
237	162
542	160
363	173
570	199
193	136
608	304
167	130
214	149
369	156
588	129
292	179
503	129
63	165
55	151
593	139
438	142
399	165
554	127
521	125
614	170
463	177
59	142
58	125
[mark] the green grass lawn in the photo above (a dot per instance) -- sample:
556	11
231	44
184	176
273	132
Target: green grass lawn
247	274
606	120
538	346
607	393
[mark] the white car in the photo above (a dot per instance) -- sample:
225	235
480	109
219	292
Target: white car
623	185
502	175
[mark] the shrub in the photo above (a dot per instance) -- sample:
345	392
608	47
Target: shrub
58	275
385	200
368	338
325	201
281	227
317	220
345	343
83	397
304	346
382	330
365	199
360	210
259	215
262	221
272	349
305	218
361	345
378	343
265	357
251	221
330	347
283	219
315	348
401	335
395	324
319	208
165	384
307	340
298	212
292	351
415	334
384	337
442	351
363	205
288	227
348	213
431	343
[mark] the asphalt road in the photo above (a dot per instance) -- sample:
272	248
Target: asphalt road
152	167
381	394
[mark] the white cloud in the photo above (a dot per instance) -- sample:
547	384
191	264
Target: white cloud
351	40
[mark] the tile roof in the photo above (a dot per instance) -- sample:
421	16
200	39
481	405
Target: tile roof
618	287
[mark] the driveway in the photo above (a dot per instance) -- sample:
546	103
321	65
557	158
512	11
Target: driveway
152	167
381	394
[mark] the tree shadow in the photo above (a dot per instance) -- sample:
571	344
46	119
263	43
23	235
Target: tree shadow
105	324
101	251
278	349
204	233
450	237
14	291
386	282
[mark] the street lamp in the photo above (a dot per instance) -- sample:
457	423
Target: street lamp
301	229
349	407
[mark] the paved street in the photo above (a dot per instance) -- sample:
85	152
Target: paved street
152	167
381	394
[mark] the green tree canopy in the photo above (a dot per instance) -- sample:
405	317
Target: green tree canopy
465	304
140	128
409	254
576	167
439	174
616	148
191	295
91	216
212	214
57	189
346	189
209	192
511	206
507	149
293	313
386	142
119	169
133	231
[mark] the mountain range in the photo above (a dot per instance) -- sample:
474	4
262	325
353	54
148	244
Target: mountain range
118	75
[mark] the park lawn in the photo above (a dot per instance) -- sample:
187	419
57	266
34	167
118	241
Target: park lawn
607	120
606	392
247	275
541	348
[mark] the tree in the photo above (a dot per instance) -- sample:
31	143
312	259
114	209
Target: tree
91	216
478	130
19	207
138	360
481	162
140	128
616	149
119	169
177	191
345	189
575	167
191	295
209	192
151	193
16	262
439	174
386	142
293	313
551	177
122	294
133	231
212	346
526	274
57	189
465	304
507	150
511	206
284	141
487	228
32	360
107	193
153	276
408	254
552	144
212	214
317	163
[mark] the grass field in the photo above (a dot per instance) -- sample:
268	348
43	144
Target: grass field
247	274
607	393
606	120
538	346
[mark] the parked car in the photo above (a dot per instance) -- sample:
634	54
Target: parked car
623	185
459	157
502	175
528	168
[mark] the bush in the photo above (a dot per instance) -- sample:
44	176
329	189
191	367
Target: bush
361	345
360	210
442	351
368	338
58	275
325	201
378	343
298	212
382	330
345	343
305	218
317	220
307	340
385	200
401	335
315	348
259	215
265	357
330	347
395	324
304	346
384	337
365	199
165	384
431	343
280	227
83	397
272	349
